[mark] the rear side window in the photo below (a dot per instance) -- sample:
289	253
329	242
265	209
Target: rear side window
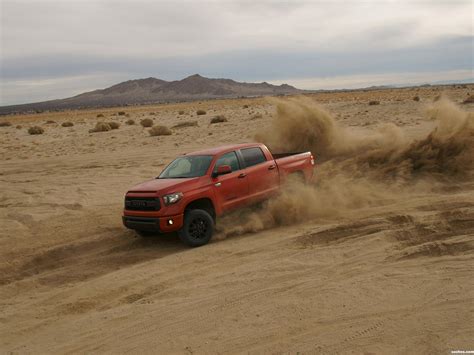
253	156
228	159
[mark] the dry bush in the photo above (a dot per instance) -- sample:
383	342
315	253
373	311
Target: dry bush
50	122
100	127
130	122
146	122
121	113
5	124
100	115
114	125
245	106
35	130
159	131
186	124
416	98
19	127
181	112
67	124
218	119
200	112
374	102
469	100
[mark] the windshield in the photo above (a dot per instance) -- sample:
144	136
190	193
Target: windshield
187	167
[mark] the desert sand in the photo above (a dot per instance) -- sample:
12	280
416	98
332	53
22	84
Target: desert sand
375	257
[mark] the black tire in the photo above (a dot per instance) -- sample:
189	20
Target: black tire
197	229
145	234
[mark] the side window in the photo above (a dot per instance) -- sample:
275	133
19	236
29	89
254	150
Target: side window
228	159
253	156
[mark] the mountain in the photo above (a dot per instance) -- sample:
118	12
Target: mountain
152	90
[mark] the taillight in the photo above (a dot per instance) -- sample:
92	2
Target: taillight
312	159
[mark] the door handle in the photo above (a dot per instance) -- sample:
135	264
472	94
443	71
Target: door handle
271	167
242	175
217	184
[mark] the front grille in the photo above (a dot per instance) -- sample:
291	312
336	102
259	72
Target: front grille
142	203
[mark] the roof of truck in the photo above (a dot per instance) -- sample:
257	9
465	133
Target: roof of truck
223	148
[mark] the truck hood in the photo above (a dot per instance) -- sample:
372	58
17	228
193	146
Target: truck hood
164	185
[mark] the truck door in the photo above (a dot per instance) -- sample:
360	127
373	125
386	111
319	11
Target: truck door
262	174
231	190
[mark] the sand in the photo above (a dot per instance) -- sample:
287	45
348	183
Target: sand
389	273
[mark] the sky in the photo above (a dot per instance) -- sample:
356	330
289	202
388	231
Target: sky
56	49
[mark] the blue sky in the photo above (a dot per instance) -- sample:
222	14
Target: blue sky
55	49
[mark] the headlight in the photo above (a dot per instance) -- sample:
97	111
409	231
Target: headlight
172	198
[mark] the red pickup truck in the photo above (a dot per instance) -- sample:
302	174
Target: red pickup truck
196	188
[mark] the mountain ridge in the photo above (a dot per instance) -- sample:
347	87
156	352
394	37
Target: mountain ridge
153	90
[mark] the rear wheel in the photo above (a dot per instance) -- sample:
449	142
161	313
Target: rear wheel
197	229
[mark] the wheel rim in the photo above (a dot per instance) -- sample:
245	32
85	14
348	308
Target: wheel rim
198	228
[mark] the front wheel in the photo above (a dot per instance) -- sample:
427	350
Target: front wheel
198	228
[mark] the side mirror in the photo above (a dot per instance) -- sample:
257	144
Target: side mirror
222	170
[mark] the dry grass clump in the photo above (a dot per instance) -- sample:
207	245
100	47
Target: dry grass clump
469	100
5	124
257	116
416	98
19	127
114	125
100	115
374	102
146	122
67	124
35	130
200	112
121	113
100	127
130	122
50	122
245	106
186	124
218	119
181	112
159	131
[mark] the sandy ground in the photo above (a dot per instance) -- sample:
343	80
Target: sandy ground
388	277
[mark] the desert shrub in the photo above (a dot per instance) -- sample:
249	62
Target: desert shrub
67	124
50	122
416	98
218	119
146	122
35	130
469	100
121	113
100	115
19	127
5	124
245	106
127	115
114	125
159	131
181	112
186	124
200	112
100	127
374	102
130	122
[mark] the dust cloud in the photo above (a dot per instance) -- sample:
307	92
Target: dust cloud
357	168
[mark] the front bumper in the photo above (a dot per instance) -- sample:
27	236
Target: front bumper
153	224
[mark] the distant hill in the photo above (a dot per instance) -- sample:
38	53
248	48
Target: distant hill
152	90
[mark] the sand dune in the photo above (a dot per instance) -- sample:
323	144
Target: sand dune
375	257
